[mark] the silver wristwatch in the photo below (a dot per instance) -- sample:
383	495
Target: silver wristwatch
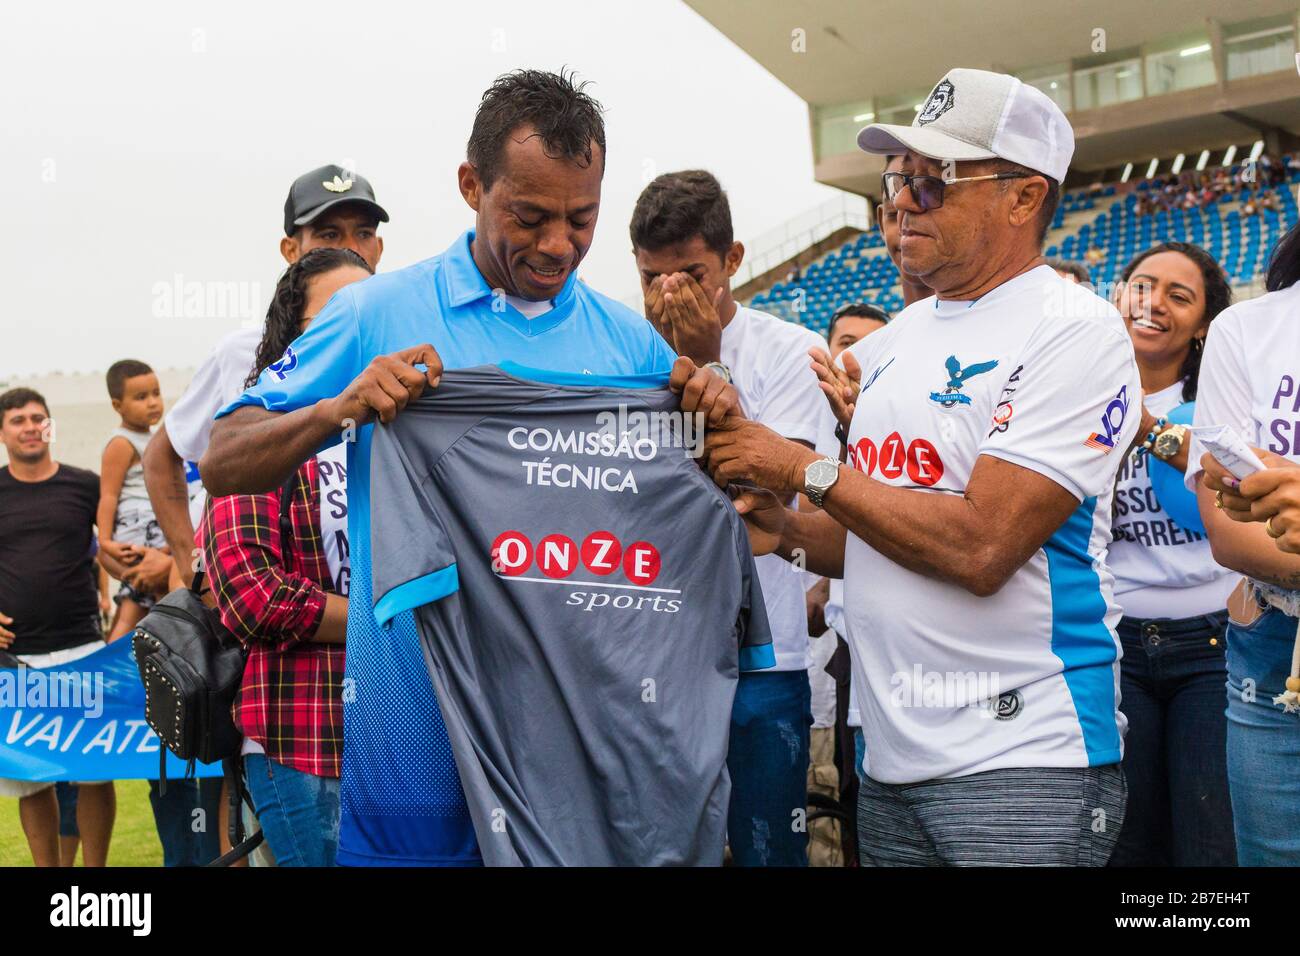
720	370
818	478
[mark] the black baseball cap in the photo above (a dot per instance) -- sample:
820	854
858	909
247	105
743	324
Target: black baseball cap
321	189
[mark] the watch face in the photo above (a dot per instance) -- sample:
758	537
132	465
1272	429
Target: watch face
821	473
1168	443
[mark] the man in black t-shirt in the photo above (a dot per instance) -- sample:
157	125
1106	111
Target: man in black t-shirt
49	599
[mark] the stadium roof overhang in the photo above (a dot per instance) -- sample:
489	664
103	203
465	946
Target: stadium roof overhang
851	50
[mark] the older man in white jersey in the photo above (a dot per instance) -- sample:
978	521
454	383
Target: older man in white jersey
970	523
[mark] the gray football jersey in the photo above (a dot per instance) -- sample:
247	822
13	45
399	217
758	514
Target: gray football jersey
585	597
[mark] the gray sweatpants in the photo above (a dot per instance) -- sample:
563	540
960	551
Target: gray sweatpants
1031	816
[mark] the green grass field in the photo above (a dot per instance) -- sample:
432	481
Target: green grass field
135	841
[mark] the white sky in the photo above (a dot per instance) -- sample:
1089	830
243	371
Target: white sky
143	141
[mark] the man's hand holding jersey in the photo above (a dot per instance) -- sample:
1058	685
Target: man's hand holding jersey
386	386
704	392
254	450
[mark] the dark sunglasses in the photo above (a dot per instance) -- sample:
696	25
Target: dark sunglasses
927	191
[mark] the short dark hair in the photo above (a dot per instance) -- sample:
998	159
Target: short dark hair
858	310
1046	212
566	118
18	397
119	372
1076	269
678	206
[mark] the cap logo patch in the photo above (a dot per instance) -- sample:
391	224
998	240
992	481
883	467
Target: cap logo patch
940	102
337	185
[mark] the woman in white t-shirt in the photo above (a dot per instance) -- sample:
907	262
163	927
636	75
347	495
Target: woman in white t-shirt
1251	381
1172	593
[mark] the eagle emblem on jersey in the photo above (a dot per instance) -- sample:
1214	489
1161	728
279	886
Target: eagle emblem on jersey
952	395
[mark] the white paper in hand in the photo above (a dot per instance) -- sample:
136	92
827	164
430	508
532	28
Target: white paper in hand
1229	449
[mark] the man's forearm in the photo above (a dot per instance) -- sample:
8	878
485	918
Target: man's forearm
253	451
164	477
814	541
937	535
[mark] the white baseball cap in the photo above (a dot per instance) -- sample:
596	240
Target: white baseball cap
975	114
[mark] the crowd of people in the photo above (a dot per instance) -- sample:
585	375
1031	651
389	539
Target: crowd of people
993	504
1254	182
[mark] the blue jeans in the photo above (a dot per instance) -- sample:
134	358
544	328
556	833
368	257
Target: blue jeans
1263	742
767	759
1175	752
176	821
299	811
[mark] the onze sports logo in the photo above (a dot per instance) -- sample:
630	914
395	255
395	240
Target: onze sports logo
919	458
558	556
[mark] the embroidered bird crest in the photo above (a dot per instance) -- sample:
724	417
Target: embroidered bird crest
952	395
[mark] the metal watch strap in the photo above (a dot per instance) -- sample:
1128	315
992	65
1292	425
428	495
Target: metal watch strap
818	495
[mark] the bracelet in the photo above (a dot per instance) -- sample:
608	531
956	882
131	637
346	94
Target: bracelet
1161	424
842	434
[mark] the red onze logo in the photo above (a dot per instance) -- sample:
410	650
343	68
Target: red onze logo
558	556
892	457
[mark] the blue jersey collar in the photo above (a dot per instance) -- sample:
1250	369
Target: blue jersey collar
465	284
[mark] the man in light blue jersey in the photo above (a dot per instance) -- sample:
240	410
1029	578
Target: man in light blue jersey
506	290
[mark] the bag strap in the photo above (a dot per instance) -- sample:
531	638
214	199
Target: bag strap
287	491
233	769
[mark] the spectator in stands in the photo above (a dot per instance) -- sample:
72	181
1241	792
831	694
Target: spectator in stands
686	255
887	221
1095	256
49	600
1249	207
1171	591
286	600
933	556
1074	271
1268	201
1248	381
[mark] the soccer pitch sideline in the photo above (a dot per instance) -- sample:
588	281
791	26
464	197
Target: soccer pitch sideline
135	841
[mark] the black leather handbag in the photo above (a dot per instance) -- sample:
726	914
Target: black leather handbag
191	668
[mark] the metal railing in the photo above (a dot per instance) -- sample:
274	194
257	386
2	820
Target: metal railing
792	237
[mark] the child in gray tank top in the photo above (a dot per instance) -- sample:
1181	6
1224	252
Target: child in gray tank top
126	520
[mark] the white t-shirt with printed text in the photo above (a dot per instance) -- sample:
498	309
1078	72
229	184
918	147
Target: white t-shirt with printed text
1160	568
1040	373
1250	376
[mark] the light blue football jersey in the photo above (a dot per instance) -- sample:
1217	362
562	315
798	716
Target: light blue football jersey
402	800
